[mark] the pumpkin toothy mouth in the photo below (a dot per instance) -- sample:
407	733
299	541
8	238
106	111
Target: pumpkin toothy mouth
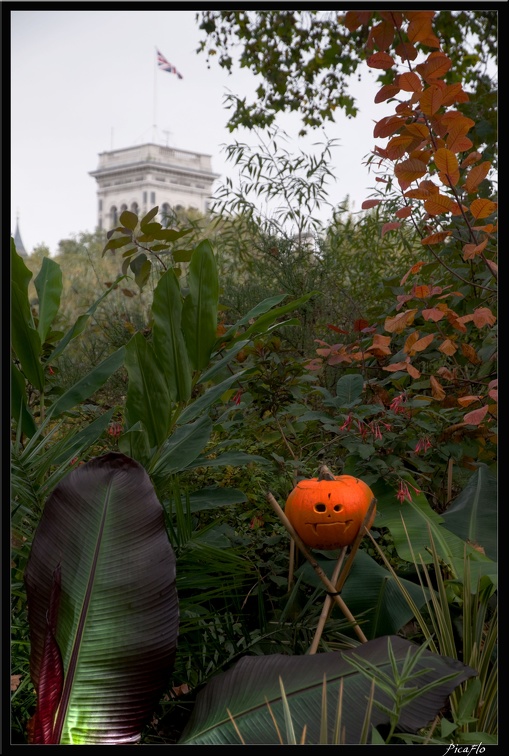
343	525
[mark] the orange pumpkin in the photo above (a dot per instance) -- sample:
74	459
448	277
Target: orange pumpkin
327	512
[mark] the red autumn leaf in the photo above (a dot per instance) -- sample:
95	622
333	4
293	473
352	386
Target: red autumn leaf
398	145
406	51
436	66
446	161
410	82
421	292
403	212
360	324
383	35
386	92
476	416
367	204
387	126
389	227
335	328
354	19
420	26
472	157
380	60
454	93
431	100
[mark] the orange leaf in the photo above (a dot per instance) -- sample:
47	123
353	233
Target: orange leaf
389	227
412	371
403	212
419	27
450	179
473	157
470	353
383	35
458	142
421	292
435	66
399	322
436	238
422	344
354	19
395	366
410	82
406	51
418	130
483	316
481	208
446	161
431	99
410	170
398	145
437	392
476	175
438	204
464	401
417	194
386	92
433	313
360	324
448	347
477	416
387	126
380	60
410	341
471	250
369	203
454	93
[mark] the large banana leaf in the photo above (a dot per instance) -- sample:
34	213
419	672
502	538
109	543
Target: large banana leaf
48	284
473	514
412	522
371	593
102	606
253	681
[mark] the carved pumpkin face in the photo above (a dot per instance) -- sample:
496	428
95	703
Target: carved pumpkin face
327	514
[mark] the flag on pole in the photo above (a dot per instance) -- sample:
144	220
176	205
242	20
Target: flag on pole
165	65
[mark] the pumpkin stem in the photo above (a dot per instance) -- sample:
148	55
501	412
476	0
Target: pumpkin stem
325	474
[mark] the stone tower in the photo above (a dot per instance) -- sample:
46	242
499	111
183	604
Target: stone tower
141	177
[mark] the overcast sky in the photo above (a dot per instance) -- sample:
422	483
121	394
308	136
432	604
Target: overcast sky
83	82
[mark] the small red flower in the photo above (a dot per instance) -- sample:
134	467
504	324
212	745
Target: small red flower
256	523
51	371
348	421
73	461
237	398
375	430
423	445
114	430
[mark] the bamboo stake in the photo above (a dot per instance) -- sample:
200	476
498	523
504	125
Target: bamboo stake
321	574
327	605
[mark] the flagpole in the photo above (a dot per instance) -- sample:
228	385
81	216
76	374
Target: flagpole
154	116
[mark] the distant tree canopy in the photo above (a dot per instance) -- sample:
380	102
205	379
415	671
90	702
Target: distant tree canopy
306	59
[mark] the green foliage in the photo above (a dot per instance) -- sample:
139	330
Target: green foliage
306	59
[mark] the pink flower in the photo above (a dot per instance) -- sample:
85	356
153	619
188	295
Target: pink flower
348	421
375	430
396	403
114	430
404	492
238	396
363	430
423	445
51	371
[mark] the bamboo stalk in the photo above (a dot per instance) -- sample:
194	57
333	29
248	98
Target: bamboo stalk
339	583
321	574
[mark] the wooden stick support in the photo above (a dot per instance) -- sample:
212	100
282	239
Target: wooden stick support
342	574
333	593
